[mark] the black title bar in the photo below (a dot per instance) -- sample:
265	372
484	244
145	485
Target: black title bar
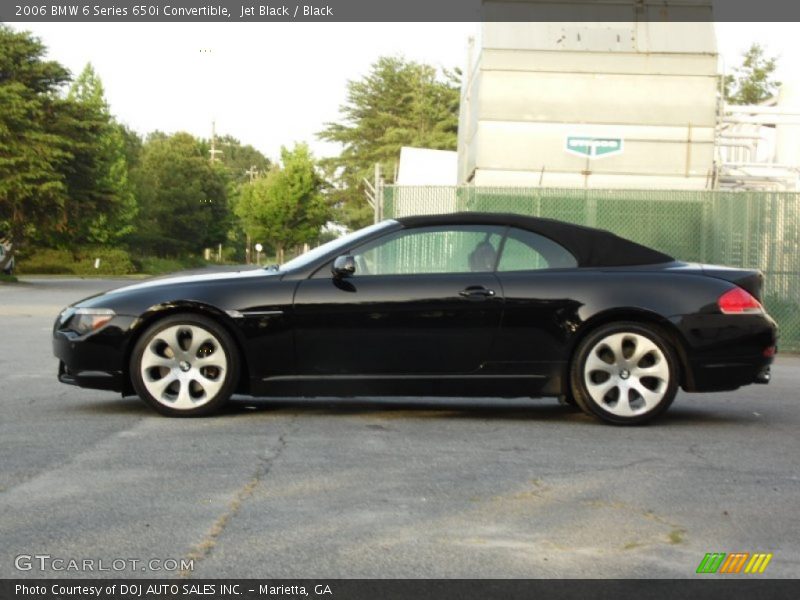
239	11
708	587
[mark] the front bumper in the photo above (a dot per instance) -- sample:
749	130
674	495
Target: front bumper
98	380
96	360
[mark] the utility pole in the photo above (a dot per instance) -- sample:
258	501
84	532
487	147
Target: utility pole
253	173
378	185
213	152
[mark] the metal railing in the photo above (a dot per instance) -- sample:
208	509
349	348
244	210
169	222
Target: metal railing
738	229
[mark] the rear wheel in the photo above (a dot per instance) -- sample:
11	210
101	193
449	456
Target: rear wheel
624	373
185	365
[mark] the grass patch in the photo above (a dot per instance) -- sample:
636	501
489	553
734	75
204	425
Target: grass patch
112	261
632	545
8	278
153	265
676	536
55	261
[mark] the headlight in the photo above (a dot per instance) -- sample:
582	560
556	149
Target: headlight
85	320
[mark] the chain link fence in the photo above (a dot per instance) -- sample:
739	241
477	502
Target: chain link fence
739	229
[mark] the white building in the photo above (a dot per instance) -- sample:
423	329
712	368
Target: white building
627	104
437	170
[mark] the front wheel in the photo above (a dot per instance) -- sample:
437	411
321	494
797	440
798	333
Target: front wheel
624	373
185	365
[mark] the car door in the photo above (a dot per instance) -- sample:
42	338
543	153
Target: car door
541	284
421	301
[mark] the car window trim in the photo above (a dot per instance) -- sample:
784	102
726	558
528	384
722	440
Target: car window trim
503	231
547	237
506	233
309	271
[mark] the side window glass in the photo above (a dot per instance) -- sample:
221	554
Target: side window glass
452	249
528	251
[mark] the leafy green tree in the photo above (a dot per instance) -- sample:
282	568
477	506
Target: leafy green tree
131	144
101	206
286	207
32	152
183	204
241	163
753	81
398	103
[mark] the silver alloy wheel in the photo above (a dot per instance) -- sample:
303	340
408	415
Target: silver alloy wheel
626	374
184	366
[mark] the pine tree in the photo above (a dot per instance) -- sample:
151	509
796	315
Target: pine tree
32	151
101	206
398	103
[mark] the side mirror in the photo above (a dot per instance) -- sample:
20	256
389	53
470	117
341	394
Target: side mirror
344	266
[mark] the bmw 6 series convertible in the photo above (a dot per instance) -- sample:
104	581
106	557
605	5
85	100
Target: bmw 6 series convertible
470	304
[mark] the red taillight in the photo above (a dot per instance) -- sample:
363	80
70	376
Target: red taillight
738	301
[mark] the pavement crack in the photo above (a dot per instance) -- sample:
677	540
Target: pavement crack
695	451
205	547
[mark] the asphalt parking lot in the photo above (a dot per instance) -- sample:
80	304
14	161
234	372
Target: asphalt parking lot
382	488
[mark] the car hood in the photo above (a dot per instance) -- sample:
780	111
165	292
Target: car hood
170	283
193	279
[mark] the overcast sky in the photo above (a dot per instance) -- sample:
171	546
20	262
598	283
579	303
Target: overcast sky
271	84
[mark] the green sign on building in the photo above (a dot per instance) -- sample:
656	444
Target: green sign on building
593	147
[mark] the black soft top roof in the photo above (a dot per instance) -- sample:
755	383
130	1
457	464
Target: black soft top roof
591	247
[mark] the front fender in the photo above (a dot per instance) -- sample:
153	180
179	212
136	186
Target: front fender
161	310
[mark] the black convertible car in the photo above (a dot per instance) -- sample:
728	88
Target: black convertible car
462	305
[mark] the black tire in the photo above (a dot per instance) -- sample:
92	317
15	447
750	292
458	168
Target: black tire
641	368
201	388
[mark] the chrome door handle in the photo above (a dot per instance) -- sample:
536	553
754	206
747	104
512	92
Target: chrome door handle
476	291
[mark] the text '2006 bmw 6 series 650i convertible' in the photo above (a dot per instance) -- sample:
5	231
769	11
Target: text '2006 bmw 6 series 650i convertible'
468	304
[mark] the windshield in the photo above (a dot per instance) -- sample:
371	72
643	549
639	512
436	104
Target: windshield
340	243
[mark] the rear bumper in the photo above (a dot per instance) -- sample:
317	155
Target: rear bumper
727	352
725	376
764	376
